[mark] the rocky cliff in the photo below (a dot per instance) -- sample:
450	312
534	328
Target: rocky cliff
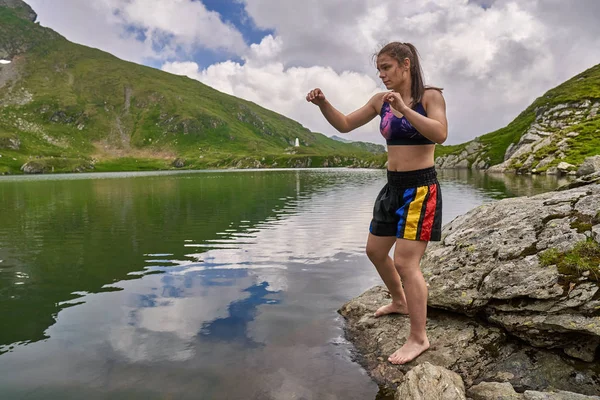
554	135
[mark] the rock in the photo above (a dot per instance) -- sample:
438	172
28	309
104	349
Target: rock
529	138
439	162
498	168
572	134
564	167
430	382
505	391
546	161
510	151
541	144
493	390
450	161
488	264
178	163
463	164
528	163
583	181
596	233
33	167
473	147
589	166
583	351
563	145
12	143
559	395
476	351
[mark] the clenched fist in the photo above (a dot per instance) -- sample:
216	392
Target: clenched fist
316	96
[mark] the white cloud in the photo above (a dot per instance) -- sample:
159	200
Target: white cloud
284	90
493	62
169	27
190	23
84	23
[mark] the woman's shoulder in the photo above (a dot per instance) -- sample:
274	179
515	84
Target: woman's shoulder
377	101
378	96
432	91
432	94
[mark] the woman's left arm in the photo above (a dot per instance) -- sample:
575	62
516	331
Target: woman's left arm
434	126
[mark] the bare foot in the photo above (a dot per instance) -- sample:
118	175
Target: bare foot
411	350
392	308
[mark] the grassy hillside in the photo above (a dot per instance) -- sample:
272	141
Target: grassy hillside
584	86
66	107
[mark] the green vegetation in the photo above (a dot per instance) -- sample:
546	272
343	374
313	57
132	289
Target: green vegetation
75	103
586	144
585	256
441	150
585	85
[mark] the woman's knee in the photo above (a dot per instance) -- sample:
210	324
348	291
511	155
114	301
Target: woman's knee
375	254
406	268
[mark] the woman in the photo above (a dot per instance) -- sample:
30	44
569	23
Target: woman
408	210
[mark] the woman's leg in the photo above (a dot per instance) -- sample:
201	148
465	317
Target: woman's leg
378	249
407	259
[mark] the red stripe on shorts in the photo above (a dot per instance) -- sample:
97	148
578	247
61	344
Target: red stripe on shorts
429	213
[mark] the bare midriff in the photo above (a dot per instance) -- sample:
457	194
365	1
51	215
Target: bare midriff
410	158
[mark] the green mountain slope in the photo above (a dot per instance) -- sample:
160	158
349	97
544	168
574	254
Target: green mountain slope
370	147
563	125
67	107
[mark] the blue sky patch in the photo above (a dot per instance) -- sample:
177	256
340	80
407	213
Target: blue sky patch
234	12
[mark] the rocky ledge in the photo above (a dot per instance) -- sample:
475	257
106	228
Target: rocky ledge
543	148
514	305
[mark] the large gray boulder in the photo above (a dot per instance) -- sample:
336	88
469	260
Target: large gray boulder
589	166
505	391
476	350
499	313
488	264
430	382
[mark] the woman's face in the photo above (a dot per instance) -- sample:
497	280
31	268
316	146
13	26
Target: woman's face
391	73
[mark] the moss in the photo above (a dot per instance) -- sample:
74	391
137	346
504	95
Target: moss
581	226
546	151
585	256
529	251
550	217
583	223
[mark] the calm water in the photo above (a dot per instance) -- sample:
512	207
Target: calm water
203	285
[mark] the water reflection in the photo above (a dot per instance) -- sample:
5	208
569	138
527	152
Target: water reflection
241	312
500	186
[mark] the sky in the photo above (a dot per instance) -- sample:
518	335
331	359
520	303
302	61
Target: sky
492	57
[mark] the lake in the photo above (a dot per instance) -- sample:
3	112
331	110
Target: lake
195	285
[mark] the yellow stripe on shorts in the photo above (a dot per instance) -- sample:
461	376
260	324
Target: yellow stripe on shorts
414	213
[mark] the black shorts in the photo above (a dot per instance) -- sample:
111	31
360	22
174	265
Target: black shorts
409	206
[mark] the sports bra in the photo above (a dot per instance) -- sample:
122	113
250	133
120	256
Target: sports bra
398	131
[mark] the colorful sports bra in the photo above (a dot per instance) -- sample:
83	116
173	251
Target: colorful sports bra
398	131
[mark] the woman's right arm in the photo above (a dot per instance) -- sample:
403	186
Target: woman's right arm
344	123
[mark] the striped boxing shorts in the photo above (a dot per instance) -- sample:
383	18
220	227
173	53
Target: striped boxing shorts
409	206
